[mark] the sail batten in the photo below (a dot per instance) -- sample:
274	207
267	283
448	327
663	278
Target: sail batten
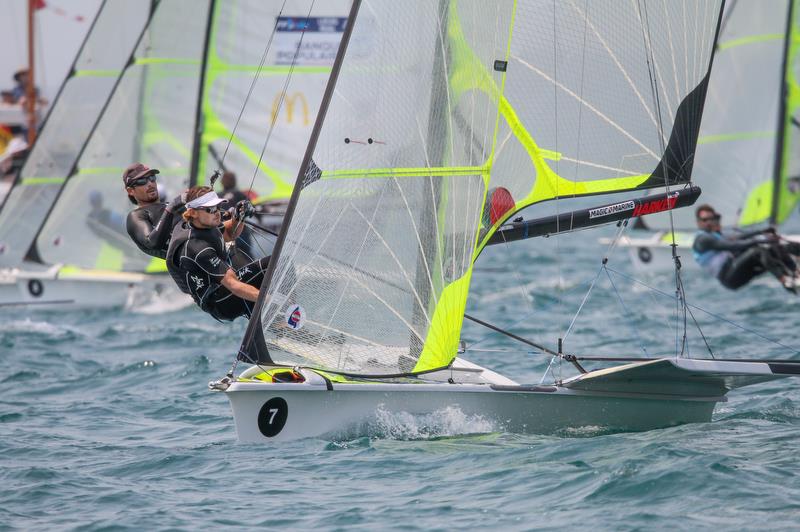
428	148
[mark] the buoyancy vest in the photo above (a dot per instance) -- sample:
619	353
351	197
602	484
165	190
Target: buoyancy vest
711	260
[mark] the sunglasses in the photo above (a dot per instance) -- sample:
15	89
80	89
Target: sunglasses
710	218
210	210
141	181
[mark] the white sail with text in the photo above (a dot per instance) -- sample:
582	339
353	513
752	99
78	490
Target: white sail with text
99	64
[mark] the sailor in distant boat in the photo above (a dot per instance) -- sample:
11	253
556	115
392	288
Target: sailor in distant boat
150	224
199	262
737	261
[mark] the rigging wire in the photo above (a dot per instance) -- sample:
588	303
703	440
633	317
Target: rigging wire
252	86
278	107
555	139
578	137
522	319
717	316
680	299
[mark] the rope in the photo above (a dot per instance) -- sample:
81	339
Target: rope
252	86
585	299
625	310
282	96
708	312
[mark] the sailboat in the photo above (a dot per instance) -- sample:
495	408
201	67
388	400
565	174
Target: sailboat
25	279
167	91
747	156
423	153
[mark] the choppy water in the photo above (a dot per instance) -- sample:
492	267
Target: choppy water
107	424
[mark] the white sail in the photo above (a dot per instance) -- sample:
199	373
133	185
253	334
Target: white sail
239	36
542	99
752	96
99	63
150	117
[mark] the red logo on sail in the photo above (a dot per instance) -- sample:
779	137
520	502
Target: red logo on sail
654	206
295	317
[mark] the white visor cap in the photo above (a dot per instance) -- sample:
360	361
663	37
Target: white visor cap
209	199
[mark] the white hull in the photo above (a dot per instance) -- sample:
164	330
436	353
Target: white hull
351	409
654	253
53	289
633	397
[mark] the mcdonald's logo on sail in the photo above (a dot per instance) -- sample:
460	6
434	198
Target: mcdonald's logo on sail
289	102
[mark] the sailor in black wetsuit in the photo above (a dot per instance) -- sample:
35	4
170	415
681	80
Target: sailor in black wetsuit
736	261
150	224
200	265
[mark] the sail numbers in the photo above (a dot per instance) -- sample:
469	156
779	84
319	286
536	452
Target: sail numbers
272	417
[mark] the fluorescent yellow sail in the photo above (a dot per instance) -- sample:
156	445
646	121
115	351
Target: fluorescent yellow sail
537	99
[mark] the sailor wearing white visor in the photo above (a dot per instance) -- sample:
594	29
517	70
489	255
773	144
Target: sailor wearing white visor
199	264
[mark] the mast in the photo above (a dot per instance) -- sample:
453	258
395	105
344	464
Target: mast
30	91
254	325
33	253
428	216
199	120
70	74
777	176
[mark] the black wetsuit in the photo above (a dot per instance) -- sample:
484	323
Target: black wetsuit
150	228
245	241
233	196
736	261
197	261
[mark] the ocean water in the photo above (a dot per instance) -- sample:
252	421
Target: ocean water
107	423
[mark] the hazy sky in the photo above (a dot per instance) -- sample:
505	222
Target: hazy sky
58	35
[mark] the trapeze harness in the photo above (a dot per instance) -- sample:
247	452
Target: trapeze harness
150	228
736	262
197	261
713	261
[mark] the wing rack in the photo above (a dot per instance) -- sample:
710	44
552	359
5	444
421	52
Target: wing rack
604	214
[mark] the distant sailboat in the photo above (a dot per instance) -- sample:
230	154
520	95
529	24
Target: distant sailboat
425	150
25	280
748	153
167	91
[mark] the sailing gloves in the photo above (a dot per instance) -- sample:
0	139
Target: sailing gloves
178	204
244	209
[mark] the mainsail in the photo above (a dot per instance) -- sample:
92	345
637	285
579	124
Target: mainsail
149	117
239	35
526	101
748	153
80	101
177	106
